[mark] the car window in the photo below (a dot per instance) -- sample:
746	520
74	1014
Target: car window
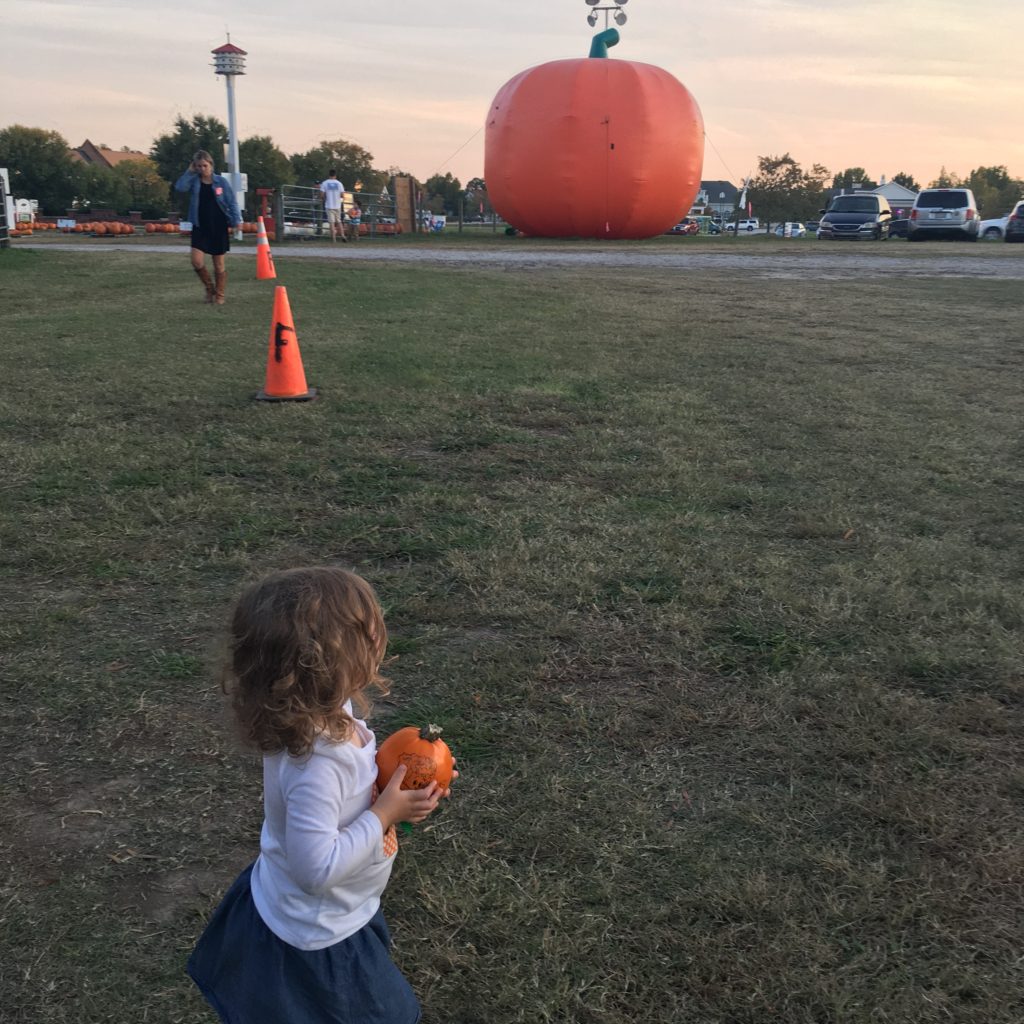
947	199
854	204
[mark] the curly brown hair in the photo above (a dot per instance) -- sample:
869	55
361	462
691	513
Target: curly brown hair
303	642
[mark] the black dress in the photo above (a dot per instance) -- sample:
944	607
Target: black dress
211	234
250	976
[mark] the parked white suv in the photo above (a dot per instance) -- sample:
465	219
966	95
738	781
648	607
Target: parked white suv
751	224
941	212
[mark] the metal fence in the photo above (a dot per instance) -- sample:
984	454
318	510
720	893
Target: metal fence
4	226
301	209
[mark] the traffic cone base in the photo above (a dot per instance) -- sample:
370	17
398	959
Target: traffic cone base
264	260
310	396
286	379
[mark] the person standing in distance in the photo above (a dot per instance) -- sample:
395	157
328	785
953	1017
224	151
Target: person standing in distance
213	212
332	190
355	218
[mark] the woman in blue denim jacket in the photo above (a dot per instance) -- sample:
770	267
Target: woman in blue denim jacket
213	211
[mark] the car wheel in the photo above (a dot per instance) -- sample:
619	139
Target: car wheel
992	235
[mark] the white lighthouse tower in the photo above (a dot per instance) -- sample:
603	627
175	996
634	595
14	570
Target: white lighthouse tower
229	60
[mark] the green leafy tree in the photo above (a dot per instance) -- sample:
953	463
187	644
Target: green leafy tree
812	197
265	164
477	203
443	194
907	181
99	188
129	185
40	167
854	178
994	189
173	151
353	164
946	179
781	190
143	188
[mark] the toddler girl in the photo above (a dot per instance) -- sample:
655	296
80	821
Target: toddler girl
300	938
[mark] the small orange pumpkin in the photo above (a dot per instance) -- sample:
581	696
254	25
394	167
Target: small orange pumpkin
425	755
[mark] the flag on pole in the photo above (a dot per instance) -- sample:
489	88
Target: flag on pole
743	197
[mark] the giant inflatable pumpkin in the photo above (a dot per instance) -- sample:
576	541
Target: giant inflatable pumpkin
593	148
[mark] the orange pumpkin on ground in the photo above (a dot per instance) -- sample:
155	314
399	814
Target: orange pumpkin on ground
594	148
425	755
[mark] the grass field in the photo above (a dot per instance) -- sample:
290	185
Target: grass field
713	580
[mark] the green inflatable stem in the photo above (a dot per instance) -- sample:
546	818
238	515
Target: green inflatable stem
600	43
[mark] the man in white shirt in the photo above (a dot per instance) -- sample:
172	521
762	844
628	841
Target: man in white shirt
332	191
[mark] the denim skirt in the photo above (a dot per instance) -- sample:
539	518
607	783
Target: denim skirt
250	976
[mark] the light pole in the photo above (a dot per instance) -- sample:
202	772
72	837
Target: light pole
229	61
620	14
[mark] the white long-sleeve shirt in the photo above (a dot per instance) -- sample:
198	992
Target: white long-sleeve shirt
322	865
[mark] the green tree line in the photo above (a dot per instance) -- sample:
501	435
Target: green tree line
783	191
42	167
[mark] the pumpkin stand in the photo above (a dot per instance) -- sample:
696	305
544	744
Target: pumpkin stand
621	144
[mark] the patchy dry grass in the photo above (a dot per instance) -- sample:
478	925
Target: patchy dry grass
714	581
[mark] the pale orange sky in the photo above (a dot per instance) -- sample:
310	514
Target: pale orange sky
911	86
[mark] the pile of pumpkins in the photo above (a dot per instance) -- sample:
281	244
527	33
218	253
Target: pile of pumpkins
112	227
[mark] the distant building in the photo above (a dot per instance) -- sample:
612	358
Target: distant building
717	198
900	197
100	156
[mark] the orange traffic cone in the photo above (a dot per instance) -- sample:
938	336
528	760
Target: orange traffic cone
286	380
264	261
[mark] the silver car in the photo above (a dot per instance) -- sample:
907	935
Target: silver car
944	213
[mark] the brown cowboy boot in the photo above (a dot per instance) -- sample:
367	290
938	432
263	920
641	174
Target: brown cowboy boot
204	276
222	280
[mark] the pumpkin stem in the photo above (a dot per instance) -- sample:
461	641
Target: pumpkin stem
600	43
430	733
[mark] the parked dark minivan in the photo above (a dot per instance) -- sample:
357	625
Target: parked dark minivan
860	215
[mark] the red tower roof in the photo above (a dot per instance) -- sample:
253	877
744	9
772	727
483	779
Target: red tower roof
230	48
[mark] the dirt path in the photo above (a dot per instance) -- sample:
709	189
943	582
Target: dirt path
990	261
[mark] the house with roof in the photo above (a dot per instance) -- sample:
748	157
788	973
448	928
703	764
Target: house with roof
102	156
716	198
900	197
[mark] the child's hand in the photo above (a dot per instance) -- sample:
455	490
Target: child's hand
447	793
396	804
